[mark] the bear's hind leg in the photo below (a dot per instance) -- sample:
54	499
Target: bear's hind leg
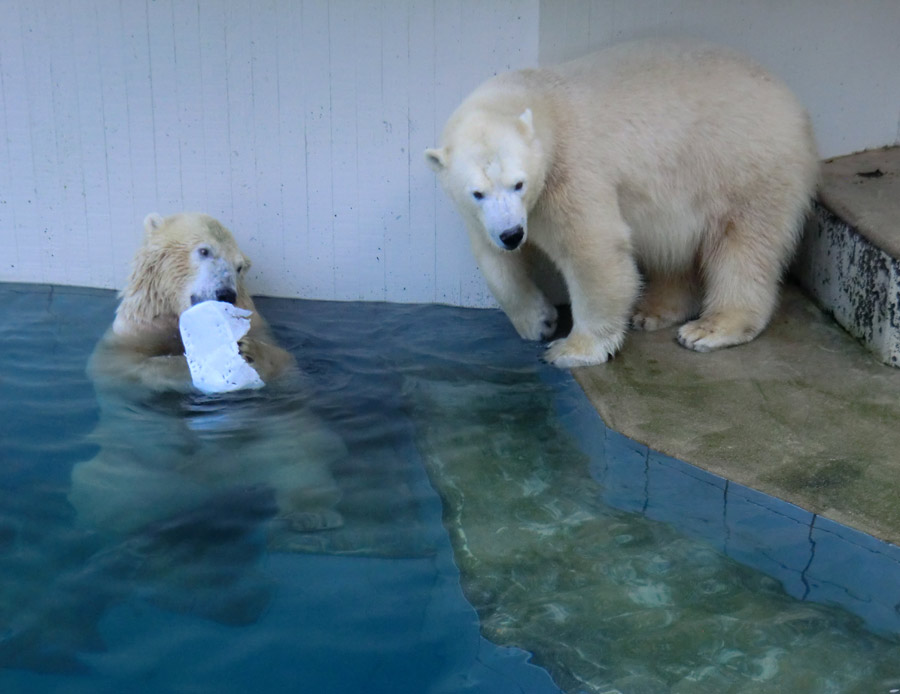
741	271
667	299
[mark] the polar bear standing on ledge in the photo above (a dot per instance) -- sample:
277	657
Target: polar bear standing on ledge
681	163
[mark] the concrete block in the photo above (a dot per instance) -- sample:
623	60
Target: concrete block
848	259
855	281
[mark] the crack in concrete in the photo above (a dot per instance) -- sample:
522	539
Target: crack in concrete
812	555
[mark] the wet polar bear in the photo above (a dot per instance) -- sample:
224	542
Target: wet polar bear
184	259
165	448
680	166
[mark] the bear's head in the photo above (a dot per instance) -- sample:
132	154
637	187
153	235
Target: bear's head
493	167
184	259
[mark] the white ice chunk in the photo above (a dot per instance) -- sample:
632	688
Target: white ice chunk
210	331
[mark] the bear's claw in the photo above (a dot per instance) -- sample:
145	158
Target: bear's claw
540	325
650	322
716	332
580	349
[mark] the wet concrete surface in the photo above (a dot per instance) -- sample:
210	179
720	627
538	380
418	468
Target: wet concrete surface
804	413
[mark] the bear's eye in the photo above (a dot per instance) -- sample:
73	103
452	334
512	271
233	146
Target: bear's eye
478	195
240	269
520	185
203	252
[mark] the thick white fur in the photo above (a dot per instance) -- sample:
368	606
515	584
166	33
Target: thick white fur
184	258
680	166
158	456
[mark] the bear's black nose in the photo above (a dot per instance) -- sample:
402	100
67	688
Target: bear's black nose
226	295
512	237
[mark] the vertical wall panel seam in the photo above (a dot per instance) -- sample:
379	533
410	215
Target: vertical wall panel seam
152	97
79	129
331	146
128	125
358	291
11	207
409	134
307	238
56	180
228	111
178	103
106	172
280	152
435	294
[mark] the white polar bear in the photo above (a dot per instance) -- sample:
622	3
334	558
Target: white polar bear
680	162
164	448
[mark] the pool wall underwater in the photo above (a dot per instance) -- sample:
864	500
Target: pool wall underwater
814	558
380	605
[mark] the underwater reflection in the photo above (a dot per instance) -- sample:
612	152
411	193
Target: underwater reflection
612	567
202	561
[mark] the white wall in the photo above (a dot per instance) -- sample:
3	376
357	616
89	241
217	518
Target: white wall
841	58
301	124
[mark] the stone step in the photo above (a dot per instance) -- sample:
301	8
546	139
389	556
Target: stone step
848	259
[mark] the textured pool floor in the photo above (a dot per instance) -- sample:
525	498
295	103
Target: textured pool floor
626	570
620	569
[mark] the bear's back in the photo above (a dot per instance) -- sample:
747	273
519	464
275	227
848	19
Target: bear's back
705	111
670	81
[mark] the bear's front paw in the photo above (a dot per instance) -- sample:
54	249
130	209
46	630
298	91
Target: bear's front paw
717	331
246	349
581	349
539	323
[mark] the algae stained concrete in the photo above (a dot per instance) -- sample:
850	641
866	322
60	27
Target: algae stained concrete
849	258
804	413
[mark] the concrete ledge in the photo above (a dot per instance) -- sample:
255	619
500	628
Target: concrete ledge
847	260
803	413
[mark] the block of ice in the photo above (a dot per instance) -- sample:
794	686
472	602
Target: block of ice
210	331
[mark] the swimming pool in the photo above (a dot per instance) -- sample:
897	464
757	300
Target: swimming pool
488	515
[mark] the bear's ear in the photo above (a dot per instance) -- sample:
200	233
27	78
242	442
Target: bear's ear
526	123
436	158
152	222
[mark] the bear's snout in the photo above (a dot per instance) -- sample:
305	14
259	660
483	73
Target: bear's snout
226	294
512	237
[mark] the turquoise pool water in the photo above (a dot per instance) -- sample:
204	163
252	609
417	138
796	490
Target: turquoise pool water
494	535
